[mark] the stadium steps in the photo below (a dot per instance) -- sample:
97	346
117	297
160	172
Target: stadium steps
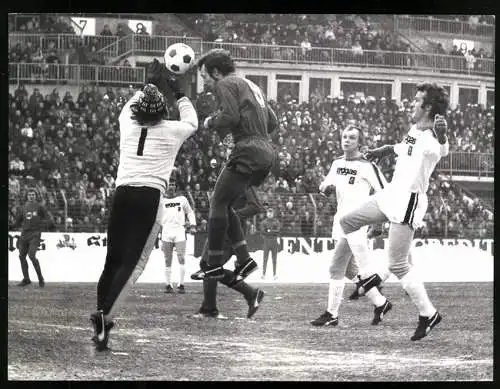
484	191
416	46
174	24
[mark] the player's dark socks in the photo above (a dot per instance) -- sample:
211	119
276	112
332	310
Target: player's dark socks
216	235
24	268
209	294
228	278
38	270
246	290
241	251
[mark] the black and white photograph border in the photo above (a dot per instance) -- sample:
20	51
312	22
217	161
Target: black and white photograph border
70	75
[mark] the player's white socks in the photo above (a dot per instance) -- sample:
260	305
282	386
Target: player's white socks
182	272
361	254
416	290
335	292
375	297
384	275
168	274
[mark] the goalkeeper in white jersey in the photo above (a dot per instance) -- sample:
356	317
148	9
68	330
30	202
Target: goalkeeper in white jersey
176	209
404	201
149	144
353	177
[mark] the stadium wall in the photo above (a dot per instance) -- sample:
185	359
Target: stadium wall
79	257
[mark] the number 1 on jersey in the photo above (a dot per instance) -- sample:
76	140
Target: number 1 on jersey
142	139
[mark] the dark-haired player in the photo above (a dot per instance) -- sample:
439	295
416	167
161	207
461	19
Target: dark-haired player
148	147
404	201
33	219
243	112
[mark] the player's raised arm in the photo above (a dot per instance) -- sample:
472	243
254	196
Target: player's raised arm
440	128
379	152
329	180
375	177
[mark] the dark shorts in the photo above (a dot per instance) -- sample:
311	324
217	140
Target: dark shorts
28	245
254	157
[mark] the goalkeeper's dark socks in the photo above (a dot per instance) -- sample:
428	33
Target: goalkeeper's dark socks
246	290
241	250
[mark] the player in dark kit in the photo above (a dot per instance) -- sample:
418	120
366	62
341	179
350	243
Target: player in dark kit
245	206
270	229
243	112
33	220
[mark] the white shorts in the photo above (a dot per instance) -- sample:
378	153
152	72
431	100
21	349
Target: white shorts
337	232
173	235
403	208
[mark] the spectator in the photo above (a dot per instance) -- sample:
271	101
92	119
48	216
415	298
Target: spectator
106	31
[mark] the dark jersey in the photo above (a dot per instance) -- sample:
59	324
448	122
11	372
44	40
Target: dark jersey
243	110
270	227
33	219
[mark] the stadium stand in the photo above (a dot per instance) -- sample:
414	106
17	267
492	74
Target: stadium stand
67	147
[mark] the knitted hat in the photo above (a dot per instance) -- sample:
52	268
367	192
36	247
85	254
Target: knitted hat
151	101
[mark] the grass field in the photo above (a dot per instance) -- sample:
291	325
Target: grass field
157	339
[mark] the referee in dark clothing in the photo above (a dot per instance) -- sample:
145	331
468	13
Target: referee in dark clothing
149	143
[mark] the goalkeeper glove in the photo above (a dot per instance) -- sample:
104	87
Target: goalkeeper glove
159	75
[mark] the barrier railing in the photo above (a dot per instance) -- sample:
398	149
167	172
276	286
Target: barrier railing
306	215
155	44
366	58
75	74
463	163
62	42
436	25
259	53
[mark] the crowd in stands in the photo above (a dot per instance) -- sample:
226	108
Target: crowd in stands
306	31
64	144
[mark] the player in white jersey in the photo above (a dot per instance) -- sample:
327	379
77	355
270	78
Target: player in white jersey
176	209
148	147
404	201
353	178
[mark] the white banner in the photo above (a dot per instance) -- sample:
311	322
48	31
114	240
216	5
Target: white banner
79	257
83	26
463	45
141	25
80	241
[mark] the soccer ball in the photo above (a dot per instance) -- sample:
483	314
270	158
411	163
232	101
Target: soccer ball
178	58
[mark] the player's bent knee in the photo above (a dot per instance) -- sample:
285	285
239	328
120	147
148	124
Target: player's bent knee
336	273
346	225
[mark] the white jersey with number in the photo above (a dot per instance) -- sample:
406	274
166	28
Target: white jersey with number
405	198
175	212
354	180
147	154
